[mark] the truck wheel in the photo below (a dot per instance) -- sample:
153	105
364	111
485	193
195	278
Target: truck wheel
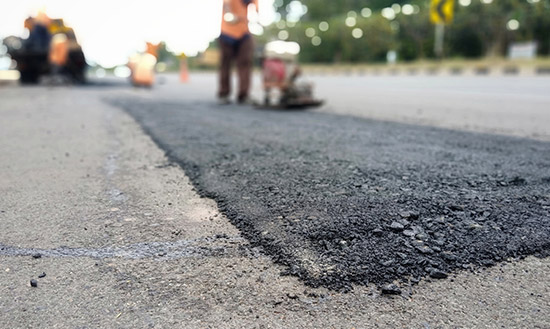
28	77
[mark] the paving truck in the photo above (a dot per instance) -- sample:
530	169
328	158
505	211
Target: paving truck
51	49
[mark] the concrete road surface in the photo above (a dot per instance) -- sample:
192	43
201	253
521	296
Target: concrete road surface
516	106
124	240
506	105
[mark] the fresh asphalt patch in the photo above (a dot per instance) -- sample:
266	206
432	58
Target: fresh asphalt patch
340	200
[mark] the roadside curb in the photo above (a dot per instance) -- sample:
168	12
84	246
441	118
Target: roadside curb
434	70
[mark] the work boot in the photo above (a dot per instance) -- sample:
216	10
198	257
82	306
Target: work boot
246	101
224	100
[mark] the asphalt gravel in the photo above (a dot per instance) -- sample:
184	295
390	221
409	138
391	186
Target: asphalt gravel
341	200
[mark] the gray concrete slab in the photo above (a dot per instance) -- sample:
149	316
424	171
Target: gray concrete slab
81	176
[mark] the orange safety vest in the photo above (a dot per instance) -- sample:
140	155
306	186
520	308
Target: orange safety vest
59	50
239	8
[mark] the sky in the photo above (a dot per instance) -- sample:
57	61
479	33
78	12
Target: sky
112	30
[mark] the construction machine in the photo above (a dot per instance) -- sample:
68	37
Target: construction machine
280	72
51	48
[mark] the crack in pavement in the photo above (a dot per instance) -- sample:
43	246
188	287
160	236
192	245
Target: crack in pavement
216	246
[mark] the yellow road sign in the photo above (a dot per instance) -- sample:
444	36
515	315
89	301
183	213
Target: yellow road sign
441	11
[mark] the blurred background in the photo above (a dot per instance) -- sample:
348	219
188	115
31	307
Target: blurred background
366	31
335	33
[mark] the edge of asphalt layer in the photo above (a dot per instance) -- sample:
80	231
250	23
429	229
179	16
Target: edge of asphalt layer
417	249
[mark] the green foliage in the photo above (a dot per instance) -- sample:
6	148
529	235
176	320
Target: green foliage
319	10
164	55
477	30
338	44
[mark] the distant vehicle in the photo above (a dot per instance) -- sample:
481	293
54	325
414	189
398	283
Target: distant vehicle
44	53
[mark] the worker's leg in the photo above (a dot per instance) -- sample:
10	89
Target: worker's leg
226	57
267	96
245	53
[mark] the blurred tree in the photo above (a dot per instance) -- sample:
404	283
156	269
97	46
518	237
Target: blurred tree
318	10
478	29
337	44
464	38
164	55
415	36
538	18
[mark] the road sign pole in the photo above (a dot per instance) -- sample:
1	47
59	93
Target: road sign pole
439	38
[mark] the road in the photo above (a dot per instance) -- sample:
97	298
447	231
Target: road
515	106
128	238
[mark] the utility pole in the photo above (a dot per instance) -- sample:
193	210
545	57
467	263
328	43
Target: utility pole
439	40
441	13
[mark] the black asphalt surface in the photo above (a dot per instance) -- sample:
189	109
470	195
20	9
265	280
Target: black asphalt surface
340	200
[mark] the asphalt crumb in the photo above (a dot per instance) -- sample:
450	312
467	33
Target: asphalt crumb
341	201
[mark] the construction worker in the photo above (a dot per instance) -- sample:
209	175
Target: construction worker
142	66
39	36
59	53
236	45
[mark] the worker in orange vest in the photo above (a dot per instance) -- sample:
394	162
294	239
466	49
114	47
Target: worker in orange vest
59	51
142	66
236	45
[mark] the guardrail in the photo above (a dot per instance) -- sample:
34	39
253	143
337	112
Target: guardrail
536	68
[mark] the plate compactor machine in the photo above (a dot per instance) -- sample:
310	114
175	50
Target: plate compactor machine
280	72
